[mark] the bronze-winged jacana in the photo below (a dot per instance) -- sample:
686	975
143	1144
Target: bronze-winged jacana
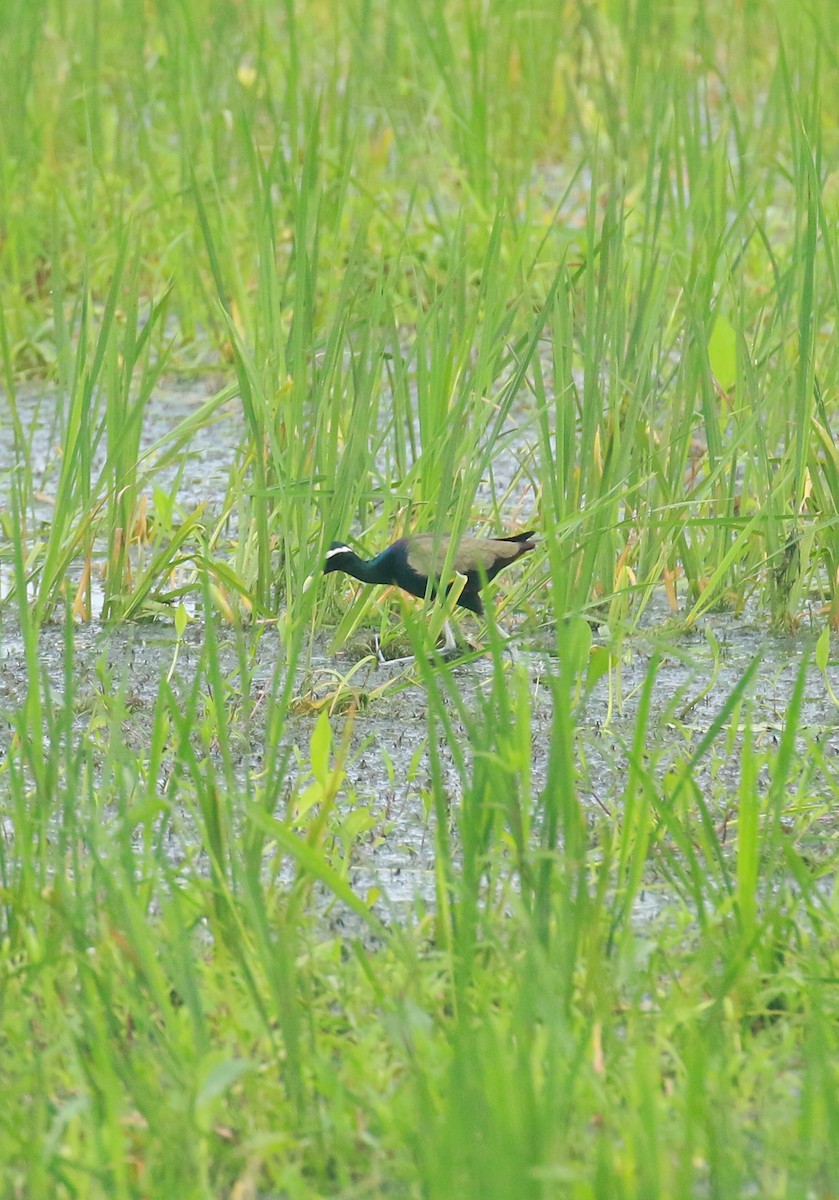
411	561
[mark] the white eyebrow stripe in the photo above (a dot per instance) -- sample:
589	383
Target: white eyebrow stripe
337	550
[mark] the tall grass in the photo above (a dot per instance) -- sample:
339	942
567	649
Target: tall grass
460	267
306	232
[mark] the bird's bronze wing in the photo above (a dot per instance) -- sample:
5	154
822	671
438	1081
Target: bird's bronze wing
427	553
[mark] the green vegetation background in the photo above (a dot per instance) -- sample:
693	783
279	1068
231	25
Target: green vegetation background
407	242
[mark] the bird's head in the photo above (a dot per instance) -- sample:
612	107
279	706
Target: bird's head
337	557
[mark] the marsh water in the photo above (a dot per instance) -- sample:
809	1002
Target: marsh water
386	768
387	776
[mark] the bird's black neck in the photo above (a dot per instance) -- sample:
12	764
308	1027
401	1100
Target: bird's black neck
373	570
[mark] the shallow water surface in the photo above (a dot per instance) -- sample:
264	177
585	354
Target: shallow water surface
388	785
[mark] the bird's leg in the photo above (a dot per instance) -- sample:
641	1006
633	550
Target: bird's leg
448	648
445	610
450	645
389	662
508	644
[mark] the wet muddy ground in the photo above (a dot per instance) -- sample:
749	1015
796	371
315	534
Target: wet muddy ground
202	472
387	775
387	769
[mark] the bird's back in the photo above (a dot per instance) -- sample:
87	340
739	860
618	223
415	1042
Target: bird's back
427	553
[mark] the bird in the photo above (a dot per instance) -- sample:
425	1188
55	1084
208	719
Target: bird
410	562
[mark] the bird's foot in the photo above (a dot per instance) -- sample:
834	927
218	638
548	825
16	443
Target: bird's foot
509	646
384	661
